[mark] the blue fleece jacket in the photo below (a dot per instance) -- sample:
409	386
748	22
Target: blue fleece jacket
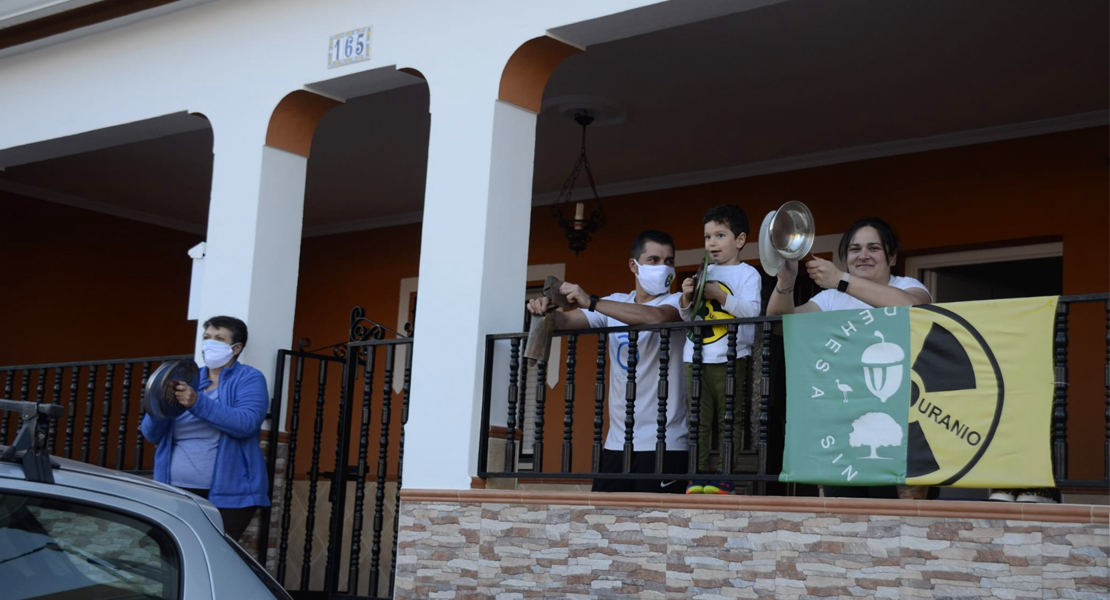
240	479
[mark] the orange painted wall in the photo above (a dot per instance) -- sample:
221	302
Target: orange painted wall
339	272
1052	185
80	285
363	268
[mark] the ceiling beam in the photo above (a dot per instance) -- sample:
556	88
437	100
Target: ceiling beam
77	18
107	208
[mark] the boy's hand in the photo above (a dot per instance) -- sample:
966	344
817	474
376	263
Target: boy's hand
538	306
713	291
824	273
689	285
575	294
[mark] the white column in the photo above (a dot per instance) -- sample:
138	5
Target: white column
473	263
254	243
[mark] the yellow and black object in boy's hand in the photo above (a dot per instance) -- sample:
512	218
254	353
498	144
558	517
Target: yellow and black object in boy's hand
706	309
710	310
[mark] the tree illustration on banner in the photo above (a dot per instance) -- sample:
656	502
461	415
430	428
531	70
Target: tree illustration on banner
877	430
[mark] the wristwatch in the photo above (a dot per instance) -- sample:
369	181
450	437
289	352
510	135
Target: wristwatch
843	285
593	302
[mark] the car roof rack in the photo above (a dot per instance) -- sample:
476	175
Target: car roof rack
29	446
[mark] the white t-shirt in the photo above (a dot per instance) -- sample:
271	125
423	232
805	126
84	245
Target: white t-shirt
647	381
743	284
829	300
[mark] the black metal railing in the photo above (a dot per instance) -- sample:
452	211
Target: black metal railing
756	403
101	409
102	402
367	369
301	364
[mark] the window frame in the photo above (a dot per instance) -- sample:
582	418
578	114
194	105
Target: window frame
923	266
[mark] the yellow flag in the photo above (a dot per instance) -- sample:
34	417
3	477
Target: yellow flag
981	394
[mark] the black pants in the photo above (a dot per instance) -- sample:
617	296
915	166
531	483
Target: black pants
612	461
236	520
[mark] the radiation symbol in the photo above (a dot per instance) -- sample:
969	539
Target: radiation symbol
956	396
710	310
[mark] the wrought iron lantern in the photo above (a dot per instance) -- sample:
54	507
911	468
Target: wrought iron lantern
579	230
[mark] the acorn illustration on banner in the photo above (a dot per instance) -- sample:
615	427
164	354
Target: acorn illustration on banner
882	369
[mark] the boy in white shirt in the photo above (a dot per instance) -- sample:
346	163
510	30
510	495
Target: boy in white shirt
732	291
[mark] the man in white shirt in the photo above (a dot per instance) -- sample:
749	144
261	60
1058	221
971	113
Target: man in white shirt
652	264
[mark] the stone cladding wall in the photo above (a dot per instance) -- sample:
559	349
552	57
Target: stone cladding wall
516	545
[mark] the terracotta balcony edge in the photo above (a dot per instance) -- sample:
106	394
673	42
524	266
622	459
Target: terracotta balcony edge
1052	513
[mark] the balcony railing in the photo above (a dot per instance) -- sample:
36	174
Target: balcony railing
103	408
519	392
342	473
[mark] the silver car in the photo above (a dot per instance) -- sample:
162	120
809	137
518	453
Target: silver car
70	530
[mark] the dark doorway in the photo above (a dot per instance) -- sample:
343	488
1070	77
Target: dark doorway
998	280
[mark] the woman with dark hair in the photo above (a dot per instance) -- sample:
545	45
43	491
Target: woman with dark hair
212	449
869	249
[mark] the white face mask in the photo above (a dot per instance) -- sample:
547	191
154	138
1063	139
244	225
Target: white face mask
655	279
216	354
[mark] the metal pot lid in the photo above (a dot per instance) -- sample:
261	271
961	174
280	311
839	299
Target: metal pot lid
792	230
159	400
769	258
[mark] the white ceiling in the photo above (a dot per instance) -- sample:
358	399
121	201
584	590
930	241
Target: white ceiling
785	80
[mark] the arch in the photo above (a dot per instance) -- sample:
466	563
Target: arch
413	72
526	74
294	121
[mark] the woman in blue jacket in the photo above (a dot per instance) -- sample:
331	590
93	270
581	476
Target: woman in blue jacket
212	449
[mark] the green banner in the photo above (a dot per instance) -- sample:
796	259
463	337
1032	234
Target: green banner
848	391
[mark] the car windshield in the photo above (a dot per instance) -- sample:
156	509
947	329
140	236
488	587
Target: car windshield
62	550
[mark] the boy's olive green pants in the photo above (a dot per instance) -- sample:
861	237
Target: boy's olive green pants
712	407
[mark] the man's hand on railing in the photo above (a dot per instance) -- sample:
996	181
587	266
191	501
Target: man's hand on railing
538	306
575	294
